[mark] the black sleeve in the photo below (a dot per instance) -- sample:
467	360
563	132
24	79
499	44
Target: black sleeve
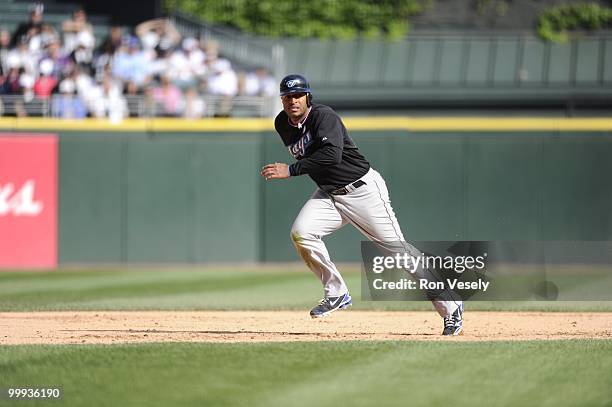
328	130
331	142
324	156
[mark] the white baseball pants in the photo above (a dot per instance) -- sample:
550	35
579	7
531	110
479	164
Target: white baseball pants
368	208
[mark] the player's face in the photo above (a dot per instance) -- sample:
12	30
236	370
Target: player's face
295	105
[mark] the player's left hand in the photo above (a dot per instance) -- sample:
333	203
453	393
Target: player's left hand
275	171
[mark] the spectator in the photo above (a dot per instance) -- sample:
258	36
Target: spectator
21	57
75	28
130	65
158	34
31	27
112	42
26	82
11	85
82	55
46	82
108	101
35	63
211	50
169	97
259	83
85	86
68	105
223	80
194	105
186	65
62	64
5	47
37	41
106	52
131	89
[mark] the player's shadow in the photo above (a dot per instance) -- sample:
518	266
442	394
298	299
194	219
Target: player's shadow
215	332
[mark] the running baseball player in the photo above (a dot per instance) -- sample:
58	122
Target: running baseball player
348	190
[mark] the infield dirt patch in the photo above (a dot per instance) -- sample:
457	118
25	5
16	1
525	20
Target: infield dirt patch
286	326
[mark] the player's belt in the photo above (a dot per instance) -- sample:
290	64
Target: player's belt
349	188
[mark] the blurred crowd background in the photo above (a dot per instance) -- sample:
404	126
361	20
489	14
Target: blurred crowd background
146	70
221	58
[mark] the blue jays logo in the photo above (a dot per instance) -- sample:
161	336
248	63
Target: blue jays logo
292	83
298	149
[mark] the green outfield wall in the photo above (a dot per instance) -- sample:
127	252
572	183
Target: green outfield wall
196	196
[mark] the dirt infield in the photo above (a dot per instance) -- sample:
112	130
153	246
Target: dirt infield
287	326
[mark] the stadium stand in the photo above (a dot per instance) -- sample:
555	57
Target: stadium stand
56	59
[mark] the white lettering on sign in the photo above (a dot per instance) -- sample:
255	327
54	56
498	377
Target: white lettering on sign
21	202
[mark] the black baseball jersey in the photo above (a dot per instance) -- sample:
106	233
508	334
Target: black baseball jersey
322	148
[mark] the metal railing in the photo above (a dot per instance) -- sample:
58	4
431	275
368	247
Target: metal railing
233	44
236	46
141	106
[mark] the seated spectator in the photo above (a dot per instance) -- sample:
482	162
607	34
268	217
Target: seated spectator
26	81
194	105
5	47
82	55
74	27
211	50
186	65
105	54
31	27
21	57
108	101
34	63
10	85
112	42
26	84
130	65
37	42
130	89
67	105
46	82
223	80
86	88
169	97
84	83
62	64
259	83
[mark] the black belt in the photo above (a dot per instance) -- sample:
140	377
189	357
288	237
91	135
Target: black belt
349	188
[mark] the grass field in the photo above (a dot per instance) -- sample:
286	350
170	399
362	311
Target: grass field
221	288
558	373
356	373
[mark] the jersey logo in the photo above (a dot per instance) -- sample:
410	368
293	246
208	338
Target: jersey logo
298	149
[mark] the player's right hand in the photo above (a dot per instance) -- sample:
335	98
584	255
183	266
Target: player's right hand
275	171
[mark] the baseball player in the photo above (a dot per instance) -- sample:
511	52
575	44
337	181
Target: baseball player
348	190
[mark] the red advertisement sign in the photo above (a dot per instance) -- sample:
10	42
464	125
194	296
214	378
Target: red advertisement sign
28	201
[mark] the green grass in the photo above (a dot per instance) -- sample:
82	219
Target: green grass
220	288
544	373
556	373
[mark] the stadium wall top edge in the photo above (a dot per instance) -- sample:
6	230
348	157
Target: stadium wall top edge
258	125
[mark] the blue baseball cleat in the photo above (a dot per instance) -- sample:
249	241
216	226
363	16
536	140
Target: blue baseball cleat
331	304
453	324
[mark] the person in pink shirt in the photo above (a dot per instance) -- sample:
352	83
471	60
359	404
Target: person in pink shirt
168	97
46	82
